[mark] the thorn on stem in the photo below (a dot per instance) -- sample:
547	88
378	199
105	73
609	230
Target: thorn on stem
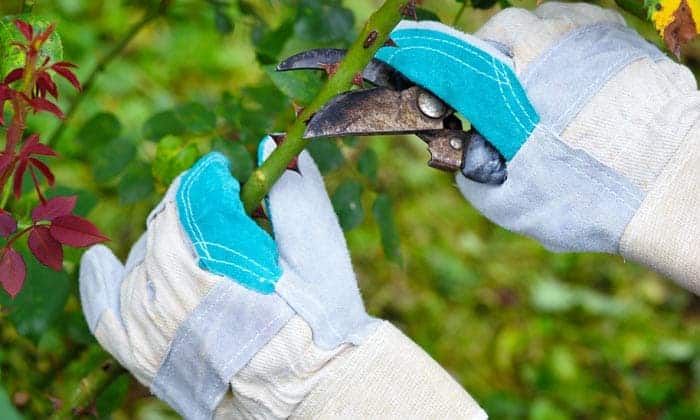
358	80
330	69
371	39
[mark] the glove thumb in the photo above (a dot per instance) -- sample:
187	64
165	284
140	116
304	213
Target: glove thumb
101	276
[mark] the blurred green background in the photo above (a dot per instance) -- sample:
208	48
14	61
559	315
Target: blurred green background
529	333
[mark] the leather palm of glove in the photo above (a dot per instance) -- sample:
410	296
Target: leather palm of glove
599	127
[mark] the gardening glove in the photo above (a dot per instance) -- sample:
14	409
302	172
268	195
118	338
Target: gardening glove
219	319
599	128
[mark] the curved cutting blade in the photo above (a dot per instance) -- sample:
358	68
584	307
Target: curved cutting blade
376	72
376	111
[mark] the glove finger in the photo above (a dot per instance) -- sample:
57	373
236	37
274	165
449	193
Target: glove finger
101	276
305	225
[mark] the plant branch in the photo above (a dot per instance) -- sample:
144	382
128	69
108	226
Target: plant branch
382	22
459	14
104	61
89	388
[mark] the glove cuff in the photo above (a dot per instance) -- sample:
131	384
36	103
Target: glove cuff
388	377
664	232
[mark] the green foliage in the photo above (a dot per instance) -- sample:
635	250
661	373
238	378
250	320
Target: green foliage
347	202
41	301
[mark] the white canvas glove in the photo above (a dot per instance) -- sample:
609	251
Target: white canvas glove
218	319
599	127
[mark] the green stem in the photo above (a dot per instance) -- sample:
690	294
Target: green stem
459	14
104	61
90	387
382	21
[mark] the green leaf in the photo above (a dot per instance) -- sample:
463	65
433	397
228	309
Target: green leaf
300	85
241	161
173	156
368	164
196	118
136	184
114	396
41	300
8	410
324	22
230	109
222	21
384	216
112	158
326	154
270	42
347	202
162	124
99	129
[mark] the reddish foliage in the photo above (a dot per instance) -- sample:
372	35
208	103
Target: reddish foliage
53	224
53	208
8	224
13	270
45	248
75	231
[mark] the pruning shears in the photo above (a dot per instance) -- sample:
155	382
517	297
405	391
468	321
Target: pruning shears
395	105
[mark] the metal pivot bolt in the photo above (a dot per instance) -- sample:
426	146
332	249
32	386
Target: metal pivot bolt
456	143
431	105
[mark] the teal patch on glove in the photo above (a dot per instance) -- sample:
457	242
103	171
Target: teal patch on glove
478	84
226	240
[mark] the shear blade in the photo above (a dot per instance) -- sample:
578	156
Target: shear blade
373	111
376	72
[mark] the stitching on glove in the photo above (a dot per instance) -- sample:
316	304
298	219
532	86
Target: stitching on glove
244	348
311	298
189	214
405	49
599	82
234	252
503	77
444	41
558	143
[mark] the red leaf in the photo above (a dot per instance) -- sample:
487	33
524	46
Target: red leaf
19	175
45	84
13	270
42	37
41	166
33	147
67	74
8	224
25	28
54	207
5	94
14	75
45	248
64	64
41	104
75	231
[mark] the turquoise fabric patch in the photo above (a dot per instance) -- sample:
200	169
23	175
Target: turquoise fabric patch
477	85
226	240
